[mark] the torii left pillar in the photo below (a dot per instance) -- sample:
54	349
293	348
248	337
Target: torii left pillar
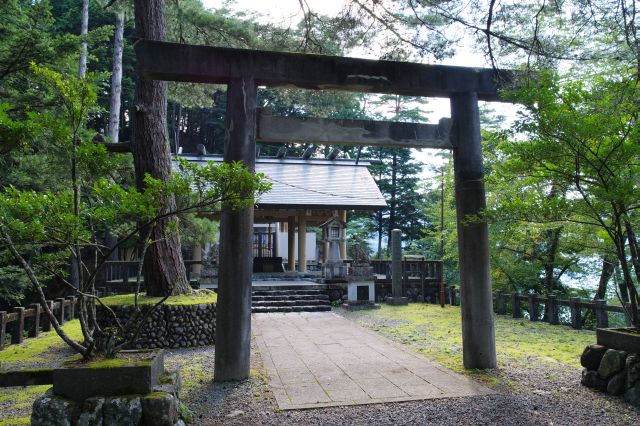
233	317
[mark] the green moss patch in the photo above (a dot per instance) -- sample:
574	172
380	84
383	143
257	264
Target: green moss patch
16	421
437	333
38	349
196	298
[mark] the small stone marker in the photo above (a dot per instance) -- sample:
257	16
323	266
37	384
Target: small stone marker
396	270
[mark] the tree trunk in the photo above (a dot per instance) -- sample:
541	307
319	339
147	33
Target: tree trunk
116	79
608	267
84	29
164	270
553	240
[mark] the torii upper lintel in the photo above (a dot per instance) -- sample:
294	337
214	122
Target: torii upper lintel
159	60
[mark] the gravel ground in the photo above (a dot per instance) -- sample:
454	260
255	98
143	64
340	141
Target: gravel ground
540	394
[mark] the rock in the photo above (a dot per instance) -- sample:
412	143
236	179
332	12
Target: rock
50	410
234	413
91	414
612	363
632	395
616	385
632	367
159	409
122	411
592	356
591	379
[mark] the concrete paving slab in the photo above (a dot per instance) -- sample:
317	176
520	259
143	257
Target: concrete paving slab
320	359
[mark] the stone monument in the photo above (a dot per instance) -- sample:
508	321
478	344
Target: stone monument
396	270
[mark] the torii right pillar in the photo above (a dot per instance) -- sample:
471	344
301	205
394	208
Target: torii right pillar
478	334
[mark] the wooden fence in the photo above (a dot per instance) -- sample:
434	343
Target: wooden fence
536	304
33	319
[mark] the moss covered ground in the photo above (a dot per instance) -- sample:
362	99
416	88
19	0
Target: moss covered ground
196	298
38	351
437	333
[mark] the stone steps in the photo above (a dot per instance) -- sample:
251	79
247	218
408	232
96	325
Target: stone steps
293	300
314	302
290	297
270	309
283	292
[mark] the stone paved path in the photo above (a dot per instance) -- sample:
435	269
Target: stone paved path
320	359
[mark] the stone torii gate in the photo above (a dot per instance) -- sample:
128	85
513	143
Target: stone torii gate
243	70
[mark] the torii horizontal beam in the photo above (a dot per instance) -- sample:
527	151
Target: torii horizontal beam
205	64
353	132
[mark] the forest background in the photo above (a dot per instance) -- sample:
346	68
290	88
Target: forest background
561	173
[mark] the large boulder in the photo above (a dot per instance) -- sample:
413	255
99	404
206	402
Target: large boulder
592	356
122	411
632	395
91	414
616	385
591	379
612	363
632	367
51	410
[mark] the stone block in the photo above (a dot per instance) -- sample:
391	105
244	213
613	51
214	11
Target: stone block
612	362
619	338
102	379
397	301
159	409
591	356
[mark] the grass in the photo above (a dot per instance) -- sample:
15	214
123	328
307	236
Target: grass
37	349
437	333
196	298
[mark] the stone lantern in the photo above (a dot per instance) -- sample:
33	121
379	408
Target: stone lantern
334	267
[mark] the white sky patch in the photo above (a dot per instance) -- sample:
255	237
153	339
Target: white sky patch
288	13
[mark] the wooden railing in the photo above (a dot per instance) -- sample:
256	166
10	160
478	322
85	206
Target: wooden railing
535	305
412	267
33	319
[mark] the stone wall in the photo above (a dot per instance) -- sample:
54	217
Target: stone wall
612	371
169	326
159	408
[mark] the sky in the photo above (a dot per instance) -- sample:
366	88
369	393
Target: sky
287	13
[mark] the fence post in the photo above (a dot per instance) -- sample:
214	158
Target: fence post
533	307
34	330
18	325
576	315
602	318
516	310
72	307
3	328
61	317
501	303
554	317
46	325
